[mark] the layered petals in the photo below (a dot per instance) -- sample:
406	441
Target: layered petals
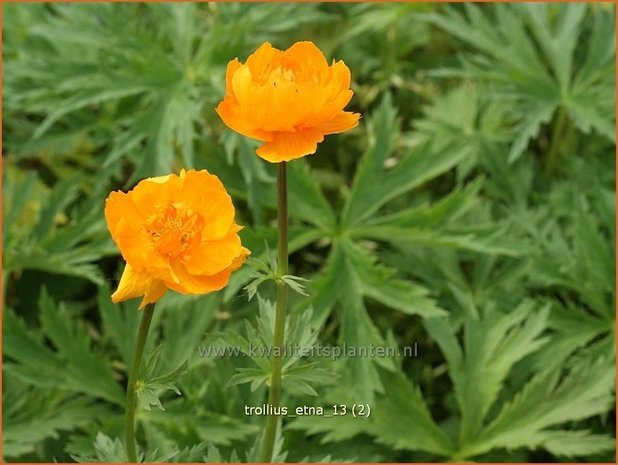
175	232
288	99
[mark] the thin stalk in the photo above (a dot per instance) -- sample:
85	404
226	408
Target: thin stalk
142	334
274	395
556	141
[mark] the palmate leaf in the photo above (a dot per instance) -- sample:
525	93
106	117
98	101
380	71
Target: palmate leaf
335	429
374	185
589	91
208	412
464	117
359	272
350	276
377	282
574	237
263	273
364	42
399	418
108	450
598	66
491	347
150	387
30	416
71	365
456	222
536	71
357	329
351	266
41	233
207	426
97	74
546	401
402	420
575	257
301	335
574	329
254	239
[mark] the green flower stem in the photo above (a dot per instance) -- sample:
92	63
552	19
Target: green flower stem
556	140
274	395
142	334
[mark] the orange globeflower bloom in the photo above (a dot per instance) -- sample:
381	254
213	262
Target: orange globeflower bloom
175	232
288	99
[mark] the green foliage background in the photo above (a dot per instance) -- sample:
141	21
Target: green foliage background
472	212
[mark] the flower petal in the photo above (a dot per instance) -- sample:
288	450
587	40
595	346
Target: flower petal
233	118
135	284
204	194
124	221
232	67
153	194
211	257
263	60
330	109
340	123
290	145
306	59
187	283
118	206
238	261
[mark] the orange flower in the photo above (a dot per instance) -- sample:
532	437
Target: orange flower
288	99
175	232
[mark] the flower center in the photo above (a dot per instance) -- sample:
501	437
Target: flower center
174	230
281	76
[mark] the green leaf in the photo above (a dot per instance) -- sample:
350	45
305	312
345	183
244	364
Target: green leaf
306	200
255	376
547	401
72	365
31	416
491	347
185	318
120	324
82	100
51	242
374	185
106	449
401	419
383	128
537	72
575	443
376	281
558	42
294	282
150	387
